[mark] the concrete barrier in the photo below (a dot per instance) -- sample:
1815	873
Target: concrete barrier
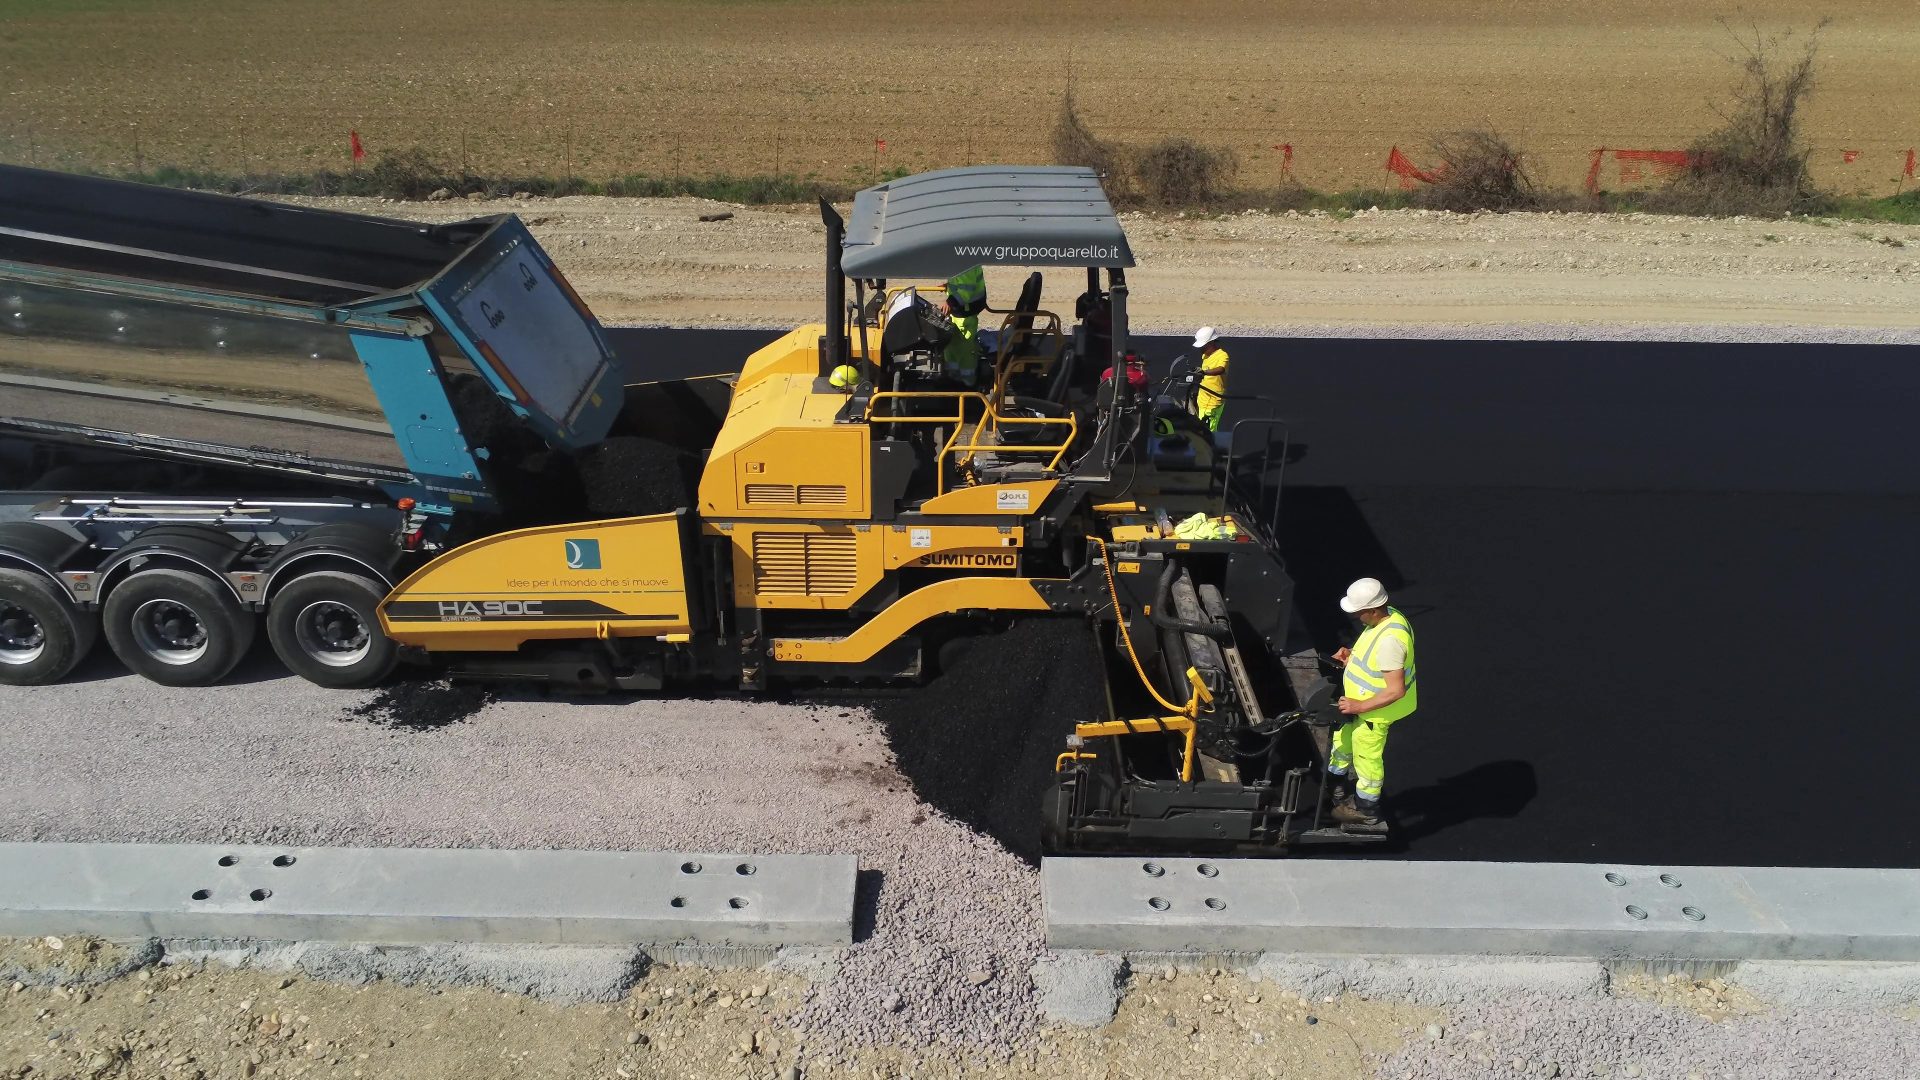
411	895
1342	907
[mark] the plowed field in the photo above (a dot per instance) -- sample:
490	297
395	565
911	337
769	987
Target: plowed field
599	88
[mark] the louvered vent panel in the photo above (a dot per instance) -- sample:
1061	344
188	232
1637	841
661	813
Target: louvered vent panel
804	564
763	494
823	495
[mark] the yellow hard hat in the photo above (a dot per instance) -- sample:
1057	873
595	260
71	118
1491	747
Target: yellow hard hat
844	377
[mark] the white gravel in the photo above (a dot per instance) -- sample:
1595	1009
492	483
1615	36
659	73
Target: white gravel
1519	1036
954	923
950	931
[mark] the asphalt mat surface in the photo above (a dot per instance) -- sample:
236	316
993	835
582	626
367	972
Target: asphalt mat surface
1660	589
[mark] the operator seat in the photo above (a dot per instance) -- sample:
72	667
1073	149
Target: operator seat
916	334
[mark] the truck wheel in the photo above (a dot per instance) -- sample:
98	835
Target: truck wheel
177	628
42	636
325	627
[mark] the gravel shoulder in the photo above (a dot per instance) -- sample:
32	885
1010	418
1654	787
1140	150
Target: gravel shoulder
653	262
939	985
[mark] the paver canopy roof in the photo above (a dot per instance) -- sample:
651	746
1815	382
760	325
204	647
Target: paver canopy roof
936	224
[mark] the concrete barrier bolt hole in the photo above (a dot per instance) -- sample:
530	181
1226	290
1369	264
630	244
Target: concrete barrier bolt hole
1693	914
1616	880
678	901
258	895
284	860
1153	869
1216	903
229	860
737	903
1158	903
203	894
689	867
1636	911
1208	870
745	869
1669	881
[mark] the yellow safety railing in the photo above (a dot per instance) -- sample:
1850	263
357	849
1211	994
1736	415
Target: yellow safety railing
1182	726
1040	325
991	422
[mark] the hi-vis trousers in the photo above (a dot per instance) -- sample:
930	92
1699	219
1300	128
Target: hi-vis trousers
1361	746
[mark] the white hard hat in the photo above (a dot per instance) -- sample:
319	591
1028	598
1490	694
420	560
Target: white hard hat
1363	594
1204	337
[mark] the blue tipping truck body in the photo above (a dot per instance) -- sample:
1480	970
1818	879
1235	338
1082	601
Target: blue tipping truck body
251	334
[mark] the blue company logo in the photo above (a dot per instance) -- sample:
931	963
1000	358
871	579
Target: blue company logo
583	554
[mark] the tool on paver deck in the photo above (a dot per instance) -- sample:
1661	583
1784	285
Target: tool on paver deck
392	441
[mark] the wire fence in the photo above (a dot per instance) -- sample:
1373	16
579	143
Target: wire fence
561	143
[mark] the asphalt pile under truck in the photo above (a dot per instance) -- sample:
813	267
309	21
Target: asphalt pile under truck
392	442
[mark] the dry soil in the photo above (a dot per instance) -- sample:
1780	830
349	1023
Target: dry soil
653	261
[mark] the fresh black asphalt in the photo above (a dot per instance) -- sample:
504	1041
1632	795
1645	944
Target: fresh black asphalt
1663	592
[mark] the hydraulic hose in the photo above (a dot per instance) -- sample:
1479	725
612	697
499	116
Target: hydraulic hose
1163	603
1192	707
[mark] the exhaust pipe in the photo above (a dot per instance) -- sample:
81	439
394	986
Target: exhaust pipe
833	351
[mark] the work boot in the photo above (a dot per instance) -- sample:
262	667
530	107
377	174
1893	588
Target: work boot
1359	816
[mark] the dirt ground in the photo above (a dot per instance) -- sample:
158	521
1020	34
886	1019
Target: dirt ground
652	261
211	1023
599	88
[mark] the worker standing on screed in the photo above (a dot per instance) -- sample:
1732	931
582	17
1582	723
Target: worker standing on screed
1377	689
966	299
1211	399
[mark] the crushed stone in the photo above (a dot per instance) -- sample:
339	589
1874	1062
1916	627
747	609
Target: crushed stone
1430	980
1082	989
1802	983
1521	1035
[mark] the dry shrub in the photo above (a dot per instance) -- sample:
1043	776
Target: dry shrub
1178	171
1756	161
1075	144
412	174
1478	169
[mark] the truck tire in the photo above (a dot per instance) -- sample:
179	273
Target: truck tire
325	626
42	636
177	628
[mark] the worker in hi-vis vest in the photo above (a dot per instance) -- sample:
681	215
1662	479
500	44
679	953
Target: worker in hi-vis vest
1211	399
1378	688
966	299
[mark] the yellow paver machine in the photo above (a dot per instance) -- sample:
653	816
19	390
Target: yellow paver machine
848	502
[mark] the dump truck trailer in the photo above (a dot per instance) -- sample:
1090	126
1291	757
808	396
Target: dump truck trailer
391	442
